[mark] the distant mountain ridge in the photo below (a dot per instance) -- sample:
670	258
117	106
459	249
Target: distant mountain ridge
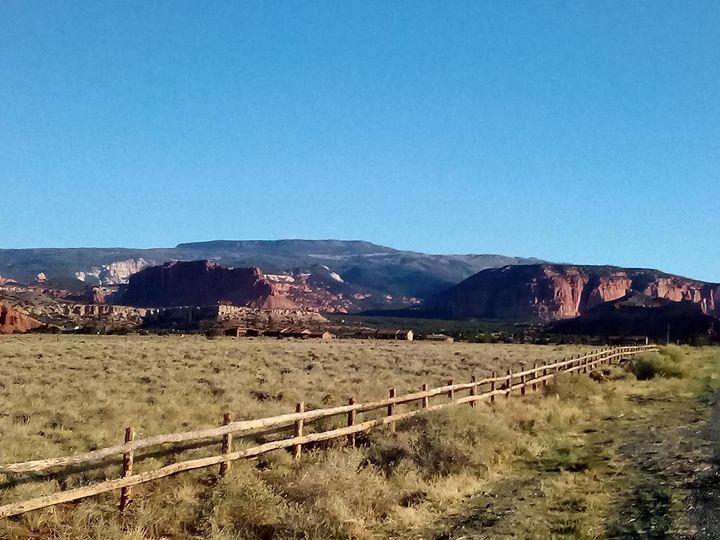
399	277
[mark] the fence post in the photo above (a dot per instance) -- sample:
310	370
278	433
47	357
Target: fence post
522	379
534	384
391	409
544	383
425	399
297	450
509	383
127	467
226	445
451	392
473	389
492	386
351	422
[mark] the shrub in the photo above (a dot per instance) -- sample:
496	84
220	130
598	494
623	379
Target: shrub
332	494
569	386
449	442
213	333
649	366
675	353
242	503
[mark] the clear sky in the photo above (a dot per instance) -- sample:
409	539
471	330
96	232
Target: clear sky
576	131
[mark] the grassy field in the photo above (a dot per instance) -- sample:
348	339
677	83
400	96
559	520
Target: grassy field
571	454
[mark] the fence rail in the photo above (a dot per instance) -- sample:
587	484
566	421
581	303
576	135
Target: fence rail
497	385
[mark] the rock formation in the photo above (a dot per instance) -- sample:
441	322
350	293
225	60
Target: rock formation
13	321
554	291
368	268
202	283
113	273
639	315
194	317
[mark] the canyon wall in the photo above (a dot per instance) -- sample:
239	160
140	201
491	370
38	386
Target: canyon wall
201	283
13	321
191	316
553	291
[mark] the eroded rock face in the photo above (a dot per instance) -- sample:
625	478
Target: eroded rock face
551	292
192	317
112	274
13	321
638	315
201	283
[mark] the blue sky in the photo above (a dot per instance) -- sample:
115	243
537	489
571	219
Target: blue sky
574	131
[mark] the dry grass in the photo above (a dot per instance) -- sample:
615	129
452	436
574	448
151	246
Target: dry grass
60	395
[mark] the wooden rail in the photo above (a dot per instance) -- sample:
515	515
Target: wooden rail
497	385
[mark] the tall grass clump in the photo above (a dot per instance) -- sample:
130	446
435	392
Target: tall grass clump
572	386
673	352
444	443
651	365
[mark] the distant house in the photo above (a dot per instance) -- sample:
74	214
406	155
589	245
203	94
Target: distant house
299	333
439	337
398	335
628	340
273	332
325	336
361	334
401	335
236	331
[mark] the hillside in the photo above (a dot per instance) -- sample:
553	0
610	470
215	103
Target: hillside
364	268
200	283
553	291
639	315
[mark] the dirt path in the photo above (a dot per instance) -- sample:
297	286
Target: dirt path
657	464
704	508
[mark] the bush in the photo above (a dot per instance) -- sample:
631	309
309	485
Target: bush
649	366
450	442
242	503
213	333
673	352
331	494
569	386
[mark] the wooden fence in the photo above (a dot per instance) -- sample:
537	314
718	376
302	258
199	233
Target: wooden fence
478	390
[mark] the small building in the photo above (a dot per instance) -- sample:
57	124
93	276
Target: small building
439	337
325	336
398	335
361	334
299	333
371	333
236	331
628	340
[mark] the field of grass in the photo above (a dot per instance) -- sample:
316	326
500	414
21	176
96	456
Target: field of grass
443	475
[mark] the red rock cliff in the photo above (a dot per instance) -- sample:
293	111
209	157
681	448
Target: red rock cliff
16	322
549	292
199	283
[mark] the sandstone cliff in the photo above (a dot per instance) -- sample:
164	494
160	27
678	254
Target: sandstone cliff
200	283
13	321
113	273
553	291
638	315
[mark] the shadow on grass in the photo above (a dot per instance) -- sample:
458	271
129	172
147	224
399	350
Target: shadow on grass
645	513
